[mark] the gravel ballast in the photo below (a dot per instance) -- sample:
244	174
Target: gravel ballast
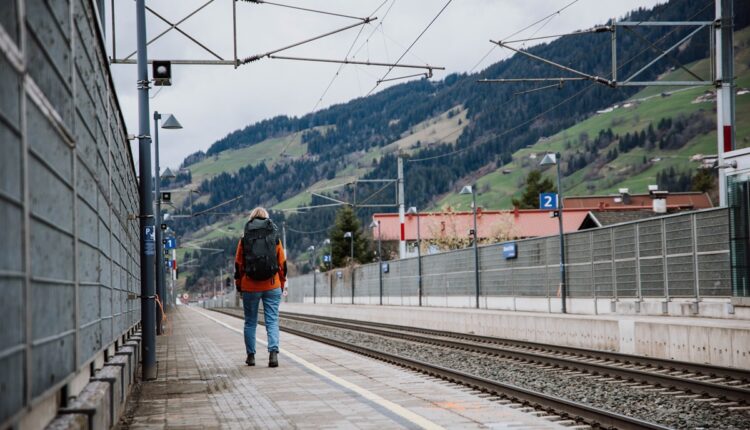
663	409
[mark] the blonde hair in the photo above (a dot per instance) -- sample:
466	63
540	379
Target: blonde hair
258	212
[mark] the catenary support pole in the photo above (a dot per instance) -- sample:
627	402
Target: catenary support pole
563	286
159	235
476	243
315	278
724	89
419	260
351	240
148	247
380	265
401	209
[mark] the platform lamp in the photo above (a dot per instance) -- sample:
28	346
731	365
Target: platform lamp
170	123
374	224
549	160
470	189
330	251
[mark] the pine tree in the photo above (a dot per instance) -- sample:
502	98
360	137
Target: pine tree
534	186
346	221
702	181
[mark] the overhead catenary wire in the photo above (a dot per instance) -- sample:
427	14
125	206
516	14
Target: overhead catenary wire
551	15
412	44
340	68
304	9
669	56
588	87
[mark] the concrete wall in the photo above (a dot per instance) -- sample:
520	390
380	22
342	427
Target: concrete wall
68	194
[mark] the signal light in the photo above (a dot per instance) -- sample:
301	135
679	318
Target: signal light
162	73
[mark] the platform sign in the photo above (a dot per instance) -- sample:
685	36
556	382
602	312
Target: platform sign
327	258
170	243
510	250
385	267
548	201
149	239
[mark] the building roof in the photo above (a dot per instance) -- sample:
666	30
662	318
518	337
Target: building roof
675	201
518	224
610	217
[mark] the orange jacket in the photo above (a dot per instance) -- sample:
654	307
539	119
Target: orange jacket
251	285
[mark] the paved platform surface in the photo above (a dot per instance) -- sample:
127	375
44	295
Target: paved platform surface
203	383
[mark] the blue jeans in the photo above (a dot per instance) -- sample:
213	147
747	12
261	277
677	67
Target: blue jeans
250	302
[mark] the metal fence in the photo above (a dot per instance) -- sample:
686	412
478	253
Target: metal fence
675	256
68	189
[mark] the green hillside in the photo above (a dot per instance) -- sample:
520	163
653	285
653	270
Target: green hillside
264	152
454	131
627	170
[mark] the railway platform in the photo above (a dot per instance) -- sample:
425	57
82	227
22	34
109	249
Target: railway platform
204	383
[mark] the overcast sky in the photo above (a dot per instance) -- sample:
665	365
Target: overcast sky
211	101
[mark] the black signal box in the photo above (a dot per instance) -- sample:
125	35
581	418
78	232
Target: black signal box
162	73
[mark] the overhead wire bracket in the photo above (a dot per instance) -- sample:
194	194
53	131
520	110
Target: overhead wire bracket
312	39
323	12
613	82
597	79
428	67
427	75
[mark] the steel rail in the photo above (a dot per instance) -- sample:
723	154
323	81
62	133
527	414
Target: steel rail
554	405
705	369
609	367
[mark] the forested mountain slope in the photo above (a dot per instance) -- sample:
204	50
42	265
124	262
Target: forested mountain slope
459	129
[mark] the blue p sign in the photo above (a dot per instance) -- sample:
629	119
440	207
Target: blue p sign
548	201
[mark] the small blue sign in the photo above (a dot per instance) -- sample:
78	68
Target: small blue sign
548	201
170	243
327	258
510	250
149	239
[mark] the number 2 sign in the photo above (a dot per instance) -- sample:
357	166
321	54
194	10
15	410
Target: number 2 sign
548	201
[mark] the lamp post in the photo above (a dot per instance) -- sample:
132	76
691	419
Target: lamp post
549	160
146	203
330	251
374	224
413	211
470	189
311	248
170	123
350	235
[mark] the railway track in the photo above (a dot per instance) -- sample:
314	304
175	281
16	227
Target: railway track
724	384
567	409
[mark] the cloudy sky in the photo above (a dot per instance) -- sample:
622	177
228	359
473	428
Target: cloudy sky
211	101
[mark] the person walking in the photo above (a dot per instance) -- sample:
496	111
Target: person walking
260	274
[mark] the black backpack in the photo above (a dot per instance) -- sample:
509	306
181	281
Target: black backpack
259	249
